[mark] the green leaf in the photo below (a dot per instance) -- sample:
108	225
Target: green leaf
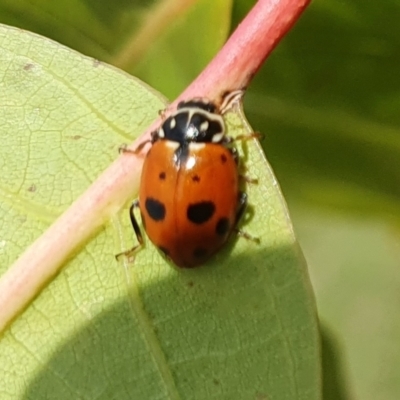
147	40
241	327
328	101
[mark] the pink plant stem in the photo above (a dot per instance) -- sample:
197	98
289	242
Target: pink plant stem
231	69
244	53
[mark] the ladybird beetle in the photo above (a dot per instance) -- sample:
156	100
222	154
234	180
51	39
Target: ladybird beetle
189	198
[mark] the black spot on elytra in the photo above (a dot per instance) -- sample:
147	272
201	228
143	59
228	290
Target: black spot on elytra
199	252
201	212
162	175
222	227
163	250
196	178
155	209
223	158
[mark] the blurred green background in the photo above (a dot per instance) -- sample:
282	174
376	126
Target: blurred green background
327	102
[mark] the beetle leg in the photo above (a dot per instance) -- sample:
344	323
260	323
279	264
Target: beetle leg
236	157
248	179
242	204
241	208
247	236
134	222
253	135
235	154
124	147
138	233
228	140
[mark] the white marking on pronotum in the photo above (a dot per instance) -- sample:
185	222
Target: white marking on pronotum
204	126
160	132
218	137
